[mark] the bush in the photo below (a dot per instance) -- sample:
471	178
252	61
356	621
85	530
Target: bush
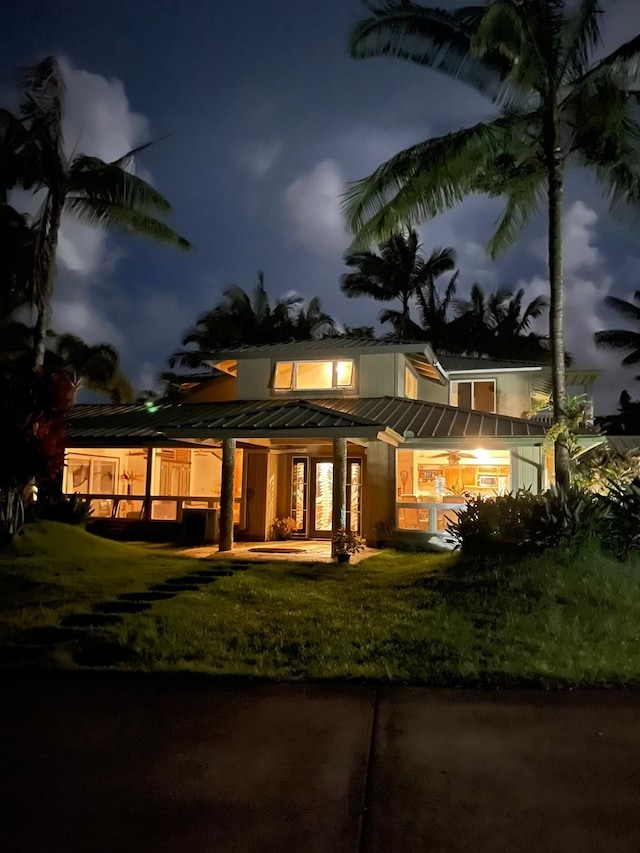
523	523
623	506
72	509
282	528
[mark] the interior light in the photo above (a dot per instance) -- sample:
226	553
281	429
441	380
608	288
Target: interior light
482	455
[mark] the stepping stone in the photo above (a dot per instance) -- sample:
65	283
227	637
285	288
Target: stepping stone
145	596
219	573
175	587
49	635
122	607
102	654
90	620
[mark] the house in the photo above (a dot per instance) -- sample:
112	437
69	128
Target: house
365	434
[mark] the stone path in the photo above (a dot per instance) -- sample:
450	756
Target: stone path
77	634
105	762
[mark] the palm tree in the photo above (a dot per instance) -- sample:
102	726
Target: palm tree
437	327
94	366
532	59
312	322
241	318
400	272
498	325
96	192
622	339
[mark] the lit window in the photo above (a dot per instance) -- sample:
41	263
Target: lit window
344	374
313	375
410	384
479	395
284	375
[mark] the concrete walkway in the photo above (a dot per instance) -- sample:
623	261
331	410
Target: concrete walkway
293	550
116	762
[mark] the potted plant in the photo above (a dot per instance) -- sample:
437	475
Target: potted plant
346	543
282	527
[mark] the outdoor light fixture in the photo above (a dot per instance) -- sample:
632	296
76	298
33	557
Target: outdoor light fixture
482	456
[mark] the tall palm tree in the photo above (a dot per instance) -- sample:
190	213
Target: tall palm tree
436	324
623	339
399	272
241	318
93	191
498	325
311	321
533	60
92	366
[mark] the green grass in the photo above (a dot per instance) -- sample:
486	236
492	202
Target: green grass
564	618
56	569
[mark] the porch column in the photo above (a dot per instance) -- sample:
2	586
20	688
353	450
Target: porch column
146	504
225	542
339	485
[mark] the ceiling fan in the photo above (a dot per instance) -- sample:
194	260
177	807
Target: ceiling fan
454	456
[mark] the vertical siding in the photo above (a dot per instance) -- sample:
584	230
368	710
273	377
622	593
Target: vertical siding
514	394
432	391
378	493
256	495
283	485
253	379
527	468
378	375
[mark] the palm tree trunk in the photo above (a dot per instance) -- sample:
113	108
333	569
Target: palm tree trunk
44	275
555	167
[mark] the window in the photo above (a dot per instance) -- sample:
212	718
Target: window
478	394
313	375
410	384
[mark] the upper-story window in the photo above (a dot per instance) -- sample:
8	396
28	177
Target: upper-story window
410	384
313	375
478	394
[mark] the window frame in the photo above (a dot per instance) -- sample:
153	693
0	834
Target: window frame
473	382
293	384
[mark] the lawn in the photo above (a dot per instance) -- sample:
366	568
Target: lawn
569	618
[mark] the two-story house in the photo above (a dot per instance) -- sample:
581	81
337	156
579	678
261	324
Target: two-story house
331	432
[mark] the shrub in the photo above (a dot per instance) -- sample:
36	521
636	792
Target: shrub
282	527
521	523
623	506
72	509
347	542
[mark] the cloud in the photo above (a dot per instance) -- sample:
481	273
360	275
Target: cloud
258	157
312	202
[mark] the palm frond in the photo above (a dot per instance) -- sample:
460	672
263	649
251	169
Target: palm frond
581	36
100	181
102	212
622	306
434	38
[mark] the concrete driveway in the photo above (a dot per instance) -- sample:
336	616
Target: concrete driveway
116	762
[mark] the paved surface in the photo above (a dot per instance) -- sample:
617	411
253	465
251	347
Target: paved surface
306	550
117	762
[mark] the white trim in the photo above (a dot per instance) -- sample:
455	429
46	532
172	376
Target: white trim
499	370
473	381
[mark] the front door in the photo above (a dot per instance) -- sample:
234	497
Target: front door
312	496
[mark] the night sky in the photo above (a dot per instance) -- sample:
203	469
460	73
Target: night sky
267	118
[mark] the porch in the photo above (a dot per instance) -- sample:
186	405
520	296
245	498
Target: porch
291	550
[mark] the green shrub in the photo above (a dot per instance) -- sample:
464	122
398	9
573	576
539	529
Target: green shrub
623	505
68	509
567	517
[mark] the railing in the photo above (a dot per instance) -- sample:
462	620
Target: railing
167	507
426	517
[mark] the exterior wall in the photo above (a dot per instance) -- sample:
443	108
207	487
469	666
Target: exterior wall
219	390
378	501
528	468
432	391
258	500
379	375
254	376
513	391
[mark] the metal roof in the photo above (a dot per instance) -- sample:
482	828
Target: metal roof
459	363
211	420
624	444
324	346
355	417
418	419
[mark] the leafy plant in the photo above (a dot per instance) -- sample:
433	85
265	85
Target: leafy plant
566	517
493	525
282	527
347	542
68	509
623	505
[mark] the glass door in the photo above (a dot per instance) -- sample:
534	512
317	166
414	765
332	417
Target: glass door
321	494
300	494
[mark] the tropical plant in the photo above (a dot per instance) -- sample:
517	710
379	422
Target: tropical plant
95	192
282	527
250	318
533	60
623	531
346	543
32	410
623	339
94	366
397	272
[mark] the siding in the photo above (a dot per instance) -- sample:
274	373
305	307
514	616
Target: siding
378	375
514	394
527	468
220	390
253	379
379	487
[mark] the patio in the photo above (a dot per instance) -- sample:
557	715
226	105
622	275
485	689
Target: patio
295	550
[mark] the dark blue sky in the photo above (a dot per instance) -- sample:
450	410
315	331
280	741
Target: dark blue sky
268	118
